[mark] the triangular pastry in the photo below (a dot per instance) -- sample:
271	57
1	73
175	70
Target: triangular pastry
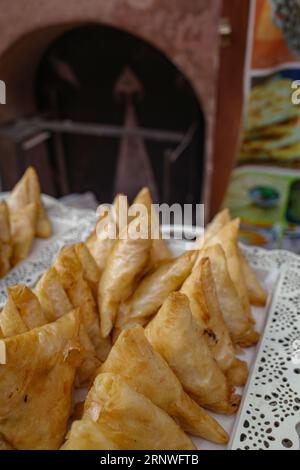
153	290
55	303
37	371
23	228
201	290
239	325
27	191
91	272
159	250
100	245
129	419
143	369
5	240
87	435
70	273
179	338
126	263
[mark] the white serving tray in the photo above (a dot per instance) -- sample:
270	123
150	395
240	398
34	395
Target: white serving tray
269	415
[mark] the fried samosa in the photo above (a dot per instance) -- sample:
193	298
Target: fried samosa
143	369
37	371
55	303
200	289
87	435
154	289
5	240
126	263
23	228
257	294
28	191
227	237
11	323
131	420
100	245
91	272
22	311
159	250
238	324
179	338
221	219
28	306
52	296
70	273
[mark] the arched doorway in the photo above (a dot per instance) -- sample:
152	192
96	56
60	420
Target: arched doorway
81	77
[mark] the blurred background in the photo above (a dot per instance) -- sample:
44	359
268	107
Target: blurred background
103	97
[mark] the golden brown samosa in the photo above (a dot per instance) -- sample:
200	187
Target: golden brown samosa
257	294
23	228
154	289
91	272
126	263
70	273
159	249
218	336
11	323
28	306
133	358
227	237
131	420
55	303
52	296
37	371
221	219
28	191
100	245
179	338
239	326
87	435
5	240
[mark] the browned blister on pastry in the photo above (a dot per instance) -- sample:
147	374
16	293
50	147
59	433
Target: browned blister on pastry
144	369
179	338
37	371
239	325
203	291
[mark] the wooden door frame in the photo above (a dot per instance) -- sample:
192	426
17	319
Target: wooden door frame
229	100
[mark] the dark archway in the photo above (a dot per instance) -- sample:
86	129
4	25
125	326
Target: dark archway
76	80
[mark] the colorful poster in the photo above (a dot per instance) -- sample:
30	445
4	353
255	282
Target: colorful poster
264	190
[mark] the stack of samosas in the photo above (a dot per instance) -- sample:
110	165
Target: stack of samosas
22	218
153	339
